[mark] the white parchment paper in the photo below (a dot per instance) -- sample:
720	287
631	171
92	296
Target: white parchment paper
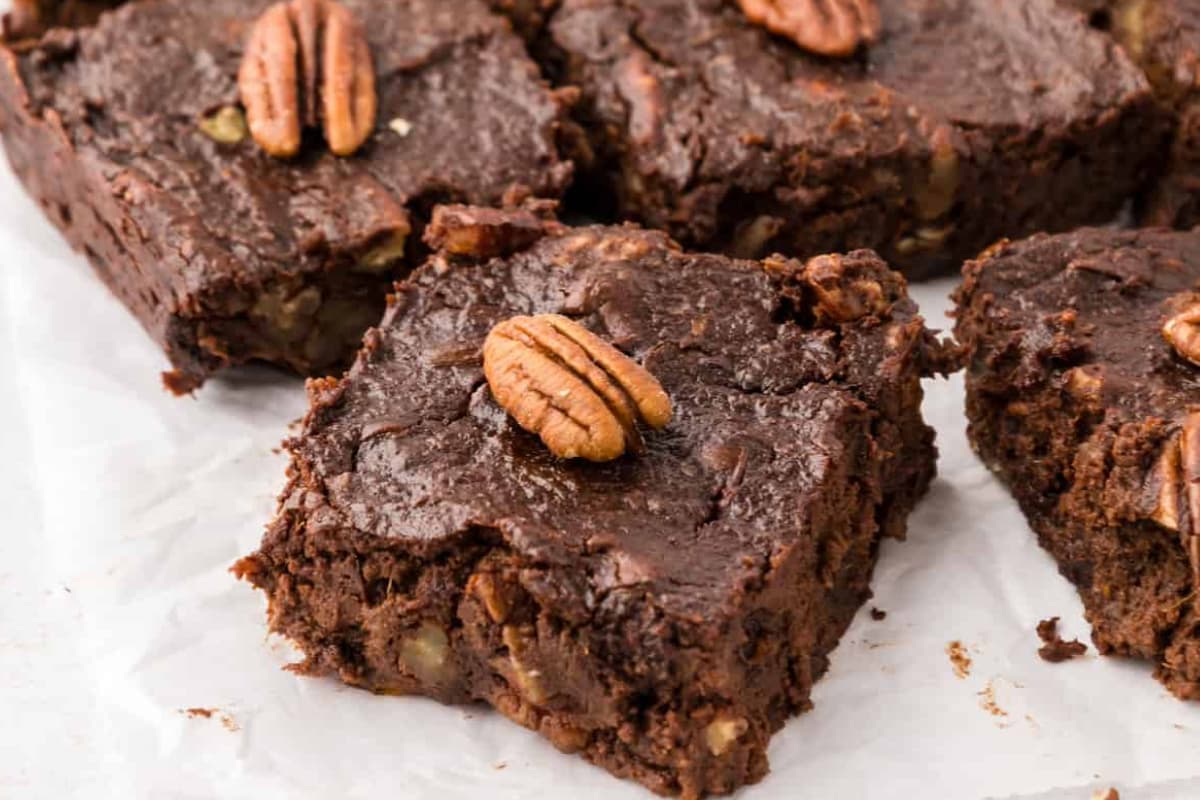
123	508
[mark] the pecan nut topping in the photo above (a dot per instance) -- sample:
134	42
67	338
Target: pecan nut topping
825	27
846	288
1182	332
307	62
580	394
1178	500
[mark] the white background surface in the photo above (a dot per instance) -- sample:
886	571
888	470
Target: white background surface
123	508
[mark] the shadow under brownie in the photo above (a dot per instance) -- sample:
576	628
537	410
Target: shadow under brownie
1080	403
661	614
967	121
225	254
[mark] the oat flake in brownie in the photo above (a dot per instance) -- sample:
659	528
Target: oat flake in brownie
661	614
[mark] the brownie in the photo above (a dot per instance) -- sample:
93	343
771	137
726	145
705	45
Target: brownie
225	254
31	18
967	120
660	614
1085	405
1163	37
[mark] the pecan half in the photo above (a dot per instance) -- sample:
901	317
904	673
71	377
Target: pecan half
1182	332
826	27
334	84
580	394
1178	502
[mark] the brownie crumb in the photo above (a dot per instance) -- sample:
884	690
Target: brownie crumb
199	712
1054	649
878	614
987	701
959	659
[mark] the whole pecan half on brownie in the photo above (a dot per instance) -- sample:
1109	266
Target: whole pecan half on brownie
334	86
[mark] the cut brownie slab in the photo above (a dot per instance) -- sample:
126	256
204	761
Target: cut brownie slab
1083	398
661	614
129	135
1163	36
966	121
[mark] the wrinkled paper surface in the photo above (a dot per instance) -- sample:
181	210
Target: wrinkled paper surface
124	508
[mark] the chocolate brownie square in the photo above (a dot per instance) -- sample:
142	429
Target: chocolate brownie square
130	136
662	614
31	18
966	121
1163	36
1082	396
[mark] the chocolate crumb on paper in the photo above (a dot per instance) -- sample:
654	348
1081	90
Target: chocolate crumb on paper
987	701
227	720
959	659
206	713
1054	649
878	614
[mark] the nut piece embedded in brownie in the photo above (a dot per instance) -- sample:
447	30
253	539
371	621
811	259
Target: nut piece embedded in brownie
1081	395
131	136
961	123
428	543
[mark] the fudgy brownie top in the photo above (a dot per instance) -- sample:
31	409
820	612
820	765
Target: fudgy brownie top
462	114
729	99
1095	299
780	374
